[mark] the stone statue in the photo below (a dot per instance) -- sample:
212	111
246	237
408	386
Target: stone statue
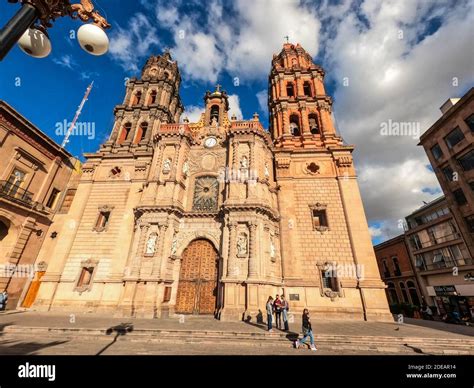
174	245
214	121
167	166
244	164
185	168
272	248
267	173
151	244
242	245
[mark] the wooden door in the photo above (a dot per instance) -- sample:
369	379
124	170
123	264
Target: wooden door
33	290
197	288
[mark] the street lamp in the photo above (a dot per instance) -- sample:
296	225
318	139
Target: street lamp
34	40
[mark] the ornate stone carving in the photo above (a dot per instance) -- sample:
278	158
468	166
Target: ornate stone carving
151	244
167	166
242	245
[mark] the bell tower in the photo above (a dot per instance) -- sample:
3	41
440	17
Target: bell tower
149	100
300	110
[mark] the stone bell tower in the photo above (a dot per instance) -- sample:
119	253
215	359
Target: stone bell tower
323	224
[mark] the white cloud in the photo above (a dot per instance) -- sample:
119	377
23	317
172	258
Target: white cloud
129	45
65	61
262	98
234	107
193	113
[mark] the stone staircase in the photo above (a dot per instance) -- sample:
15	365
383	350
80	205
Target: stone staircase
382	344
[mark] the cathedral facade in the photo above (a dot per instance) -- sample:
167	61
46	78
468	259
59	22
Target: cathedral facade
212	217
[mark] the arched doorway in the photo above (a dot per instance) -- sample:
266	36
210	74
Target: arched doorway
198	277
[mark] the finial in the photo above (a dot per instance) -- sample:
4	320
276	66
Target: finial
234	117
218	88
287	39
186	120
255	116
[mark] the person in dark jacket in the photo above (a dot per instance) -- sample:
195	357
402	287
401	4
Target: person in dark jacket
307	331
269	308
3	300
277	309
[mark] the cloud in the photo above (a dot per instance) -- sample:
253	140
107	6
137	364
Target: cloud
130	45
193	112
234	107
66	61
262	98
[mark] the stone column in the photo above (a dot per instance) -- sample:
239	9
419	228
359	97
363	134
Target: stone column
141	245
174	170
304	120
160	254
253	259
232	268
117	127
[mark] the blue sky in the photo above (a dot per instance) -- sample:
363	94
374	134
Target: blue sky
385	60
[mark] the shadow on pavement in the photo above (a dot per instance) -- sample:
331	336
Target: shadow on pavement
119	330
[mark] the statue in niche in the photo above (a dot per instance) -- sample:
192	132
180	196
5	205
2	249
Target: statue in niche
167	166
267	172
151	244
244	163
214	122
272	248
185	168
174	244
242	245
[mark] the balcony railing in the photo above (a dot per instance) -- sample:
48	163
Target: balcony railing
448	263
10	191
435	241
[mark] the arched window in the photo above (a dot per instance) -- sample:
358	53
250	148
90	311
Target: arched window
307	89
141	133
125	133
152	97
137	98
295	125
290	89
214	115
404	292
166	75
3	230
313	124
396	267
413	293
386	271
392	293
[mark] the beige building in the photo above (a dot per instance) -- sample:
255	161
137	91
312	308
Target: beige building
441	258
449	144
34	175
213	217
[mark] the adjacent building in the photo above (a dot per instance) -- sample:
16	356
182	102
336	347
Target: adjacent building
449	144
441	258
398	273
34	174
214	216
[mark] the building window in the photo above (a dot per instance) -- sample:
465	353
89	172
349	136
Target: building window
386	271
152	97
467	161
319	217
396	266
459	197
470	122
392	293
206	193
438	259
70	193
454	137
86	275
470	223
413	293
3	230
103	218
420	262
313	124
307	89
53	199
295	125
16	179
329	281
448	173
141	133
415	242
167	294
471	184
125	133
137	98
404	292
290	89
436	152
214	115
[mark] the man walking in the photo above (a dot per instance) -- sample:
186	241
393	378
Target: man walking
269	313
285	307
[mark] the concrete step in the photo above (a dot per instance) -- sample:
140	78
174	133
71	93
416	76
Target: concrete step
384	344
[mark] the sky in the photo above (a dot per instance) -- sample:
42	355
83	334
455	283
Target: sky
387	63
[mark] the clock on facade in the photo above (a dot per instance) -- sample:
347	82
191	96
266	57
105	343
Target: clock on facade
210	142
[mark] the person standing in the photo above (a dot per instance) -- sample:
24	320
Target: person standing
3	300
307	331
269	313
277	308
285	307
